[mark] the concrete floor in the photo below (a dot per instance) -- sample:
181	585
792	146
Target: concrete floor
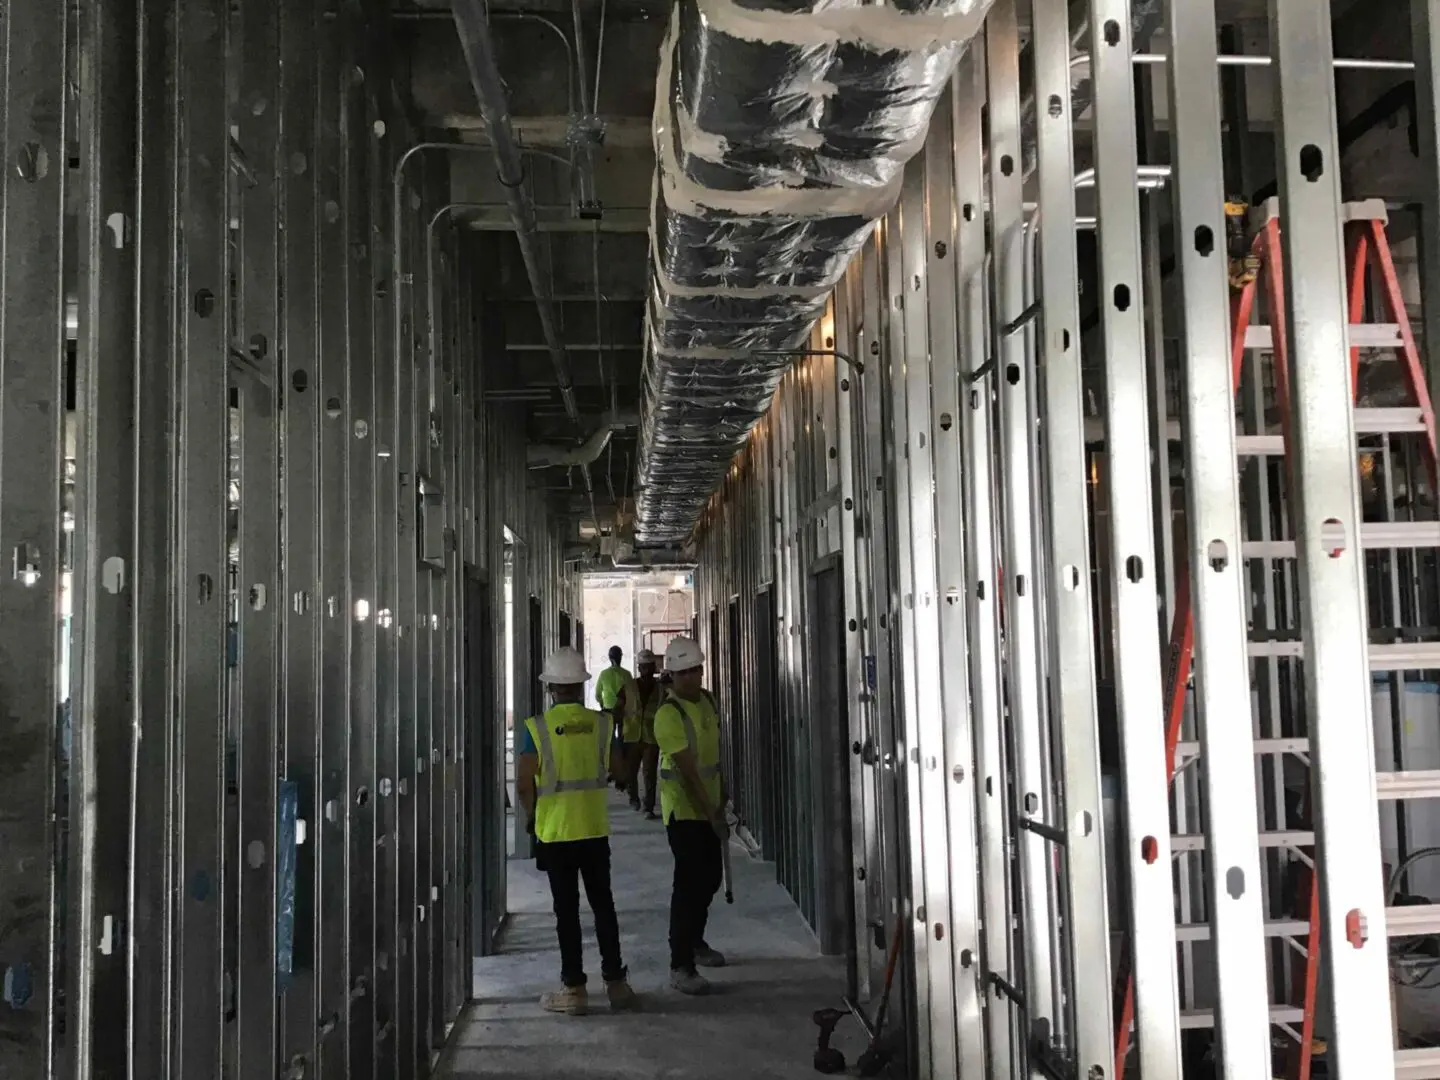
756	1025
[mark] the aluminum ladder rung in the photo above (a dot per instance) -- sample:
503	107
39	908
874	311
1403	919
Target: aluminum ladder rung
1205	1018
1400	420
1389	786
1412	784
1419	1064
1286	838
1412	920
1273	928
1390	656
1373	535
1188	750
1361	336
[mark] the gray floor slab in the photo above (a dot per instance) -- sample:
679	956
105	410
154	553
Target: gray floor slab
756	1025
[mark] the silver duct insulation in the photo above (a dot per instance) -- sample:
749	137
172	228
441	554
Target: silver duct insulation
782	128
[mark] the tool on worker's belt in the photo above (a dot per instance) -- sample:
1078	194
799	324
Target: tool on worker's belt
828	1060
1242	262
877	1055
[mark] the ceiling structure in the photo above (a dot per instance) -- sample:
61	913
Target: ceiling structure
598	265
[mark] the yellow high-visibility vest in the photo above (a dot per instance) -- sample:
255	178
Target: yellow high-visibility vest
649	706
573	743
631	725
681	724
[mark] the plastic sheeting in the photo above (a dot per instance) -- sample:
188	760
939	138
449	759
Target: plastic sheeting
782	128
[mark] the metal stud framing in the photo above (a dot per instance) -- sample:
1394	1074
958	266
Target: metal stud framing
212	757
1013	373
1216	572
1067	576
256	837
957	763
1133	584
1327	516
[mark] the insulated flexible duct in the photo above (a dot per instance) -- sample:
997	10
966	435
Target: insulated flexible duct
782	128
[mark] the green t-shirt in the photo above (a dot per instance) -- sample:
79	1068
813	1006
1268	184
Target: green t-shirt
607	688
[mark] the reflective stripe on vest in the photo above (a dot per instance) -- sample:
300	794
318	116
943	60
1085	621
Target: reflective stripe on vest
691	743
553	785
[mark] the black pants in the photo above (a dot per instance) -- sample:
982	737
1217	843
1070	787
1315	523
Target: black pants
699	870
568	864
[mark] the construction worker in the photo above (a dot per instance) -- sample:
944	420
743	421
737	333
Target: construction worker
609	688
563	760
651	694
692	802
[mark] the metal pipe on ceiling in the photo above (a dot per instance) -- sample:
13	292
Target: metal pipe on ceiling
479	49
586	186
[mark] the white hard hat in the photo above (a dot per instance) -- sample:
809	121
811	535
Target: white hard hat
683	654
645	656
565	667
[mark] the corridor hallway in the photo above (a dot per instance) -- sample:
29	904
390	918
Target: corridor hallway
755	1024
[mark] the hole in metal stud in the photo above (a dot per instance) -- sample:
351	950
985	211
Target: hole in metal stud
1149	850
33	162
1204	241
968	211
299	380
1332	537
1312	162
1122	297
946	420
1218	555
204	303
1070	578
119	228
1012	374
1112	32
1235	882
1135	568
1056	106
1007	165
1086	822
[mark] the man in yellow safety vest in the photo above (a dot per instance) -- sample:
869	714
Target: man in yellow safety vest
692	801
610	695
651	694
563	759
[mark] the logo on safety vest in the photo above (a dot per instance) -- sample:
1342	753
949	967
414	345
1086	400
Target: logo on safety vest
576	727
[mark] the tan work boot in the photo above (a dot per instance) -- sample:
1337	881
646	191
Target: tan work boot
569	1000
622	997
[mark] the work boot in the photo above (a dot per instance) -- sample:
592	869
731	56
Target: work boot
634	804
622	998
705	956
688	982
569	1000
650	815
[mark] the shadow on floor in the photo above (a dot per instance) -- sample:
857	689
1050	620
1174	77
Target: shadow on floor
756	1025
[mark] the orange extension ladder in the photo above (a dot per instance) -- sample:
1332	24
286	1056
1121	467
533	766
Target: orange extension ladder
1367	245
